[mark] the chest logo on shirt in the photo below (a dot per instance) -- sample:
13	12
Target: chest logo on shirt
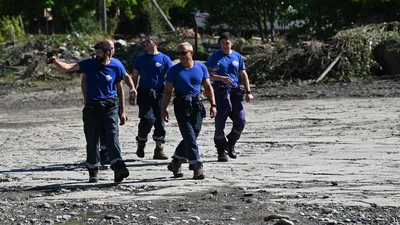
158	64
235	63
108	77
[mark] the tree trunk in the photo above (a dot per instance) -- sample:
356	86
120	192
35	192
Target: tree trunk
271	22
272	30
264	21
260	30
257	22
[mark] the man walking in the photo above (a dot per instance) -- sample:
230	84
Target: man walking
104	159
152	67
227	68
104	96
186	78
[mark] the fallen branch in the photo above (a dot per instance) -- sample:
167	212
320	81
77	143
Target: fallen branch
328	69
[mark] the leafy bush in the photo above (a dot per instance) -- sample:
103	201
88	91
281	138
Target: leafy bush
112	24
357	46
307	60
86	25
10	28
155	20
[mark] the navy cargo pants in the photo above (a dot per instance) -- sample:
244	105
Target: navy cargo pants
229	102
98	117
102	141
149	102
189	114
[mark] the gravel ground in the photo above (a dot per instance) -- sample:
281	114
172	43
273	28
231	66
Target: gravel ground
310	154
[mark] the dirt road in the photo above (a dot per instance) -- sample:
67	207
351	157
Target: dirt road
300	157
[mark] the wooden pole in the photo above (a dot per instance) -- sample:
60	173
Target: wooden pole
195	34
104	17
163	15
328	69
22	23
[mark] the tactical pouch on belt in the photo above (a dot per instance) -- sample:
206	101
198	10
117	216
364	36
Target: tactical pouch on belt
111	103
238	92
199	107
145	95
189	105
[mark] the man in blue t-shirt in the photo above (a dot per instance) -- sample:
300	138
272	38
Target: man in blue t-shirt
227	68
152	67
132	93
186	78
104	96
104	159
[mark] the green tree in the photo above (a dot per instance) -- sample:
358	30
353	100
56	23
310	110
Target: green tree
325	20
10	29
243	14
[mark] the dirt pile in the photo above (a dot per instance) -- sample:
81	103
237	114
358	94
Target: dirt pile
27	58
363	52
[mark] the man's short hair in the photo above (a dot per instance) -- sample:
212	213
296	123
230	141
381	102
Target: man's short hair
103	46
225	36
187	45
154	37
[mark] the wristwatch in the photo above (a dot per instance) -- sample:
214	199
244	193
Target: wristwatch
213	106
248	92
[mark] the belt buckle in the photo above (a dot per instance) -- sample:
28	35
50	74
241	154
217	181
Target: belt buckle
188	98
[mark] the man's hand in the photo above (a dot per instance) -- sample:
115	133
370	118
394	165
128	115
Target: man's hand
165	116
132	96
213	112
122	119
249	98
226	80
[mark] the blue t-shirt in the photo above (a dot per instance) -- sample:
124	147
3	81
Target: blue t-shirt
152	69
226	65
120	63
188	81
101	79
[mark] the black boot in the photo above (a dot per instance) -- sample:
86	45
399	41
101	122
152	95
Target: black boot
222	157
93	172
140	149
120	171
231	150
175	167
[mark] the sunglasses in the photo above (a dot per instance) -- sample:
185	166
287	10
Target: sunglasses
183	53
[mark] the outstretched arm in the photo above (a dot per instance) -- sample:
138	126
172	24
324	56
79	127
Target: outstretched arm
66	67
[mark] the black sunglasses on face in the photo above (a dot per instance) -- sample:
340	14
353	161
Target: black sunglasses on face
183	53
